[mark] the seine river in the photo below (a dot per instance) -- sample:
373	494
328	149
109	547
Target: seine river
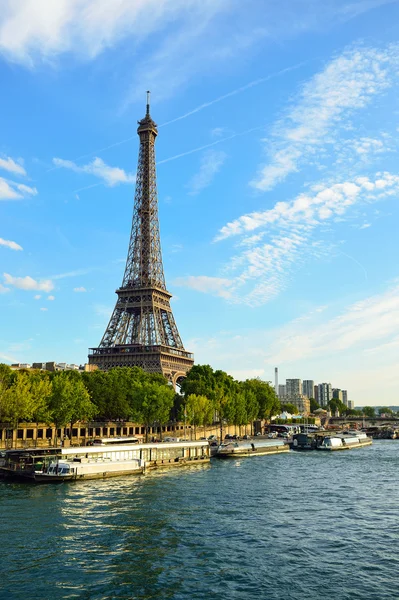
295	526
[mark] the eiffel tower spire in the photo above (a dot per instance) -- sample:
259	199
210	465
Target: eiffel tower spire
142	330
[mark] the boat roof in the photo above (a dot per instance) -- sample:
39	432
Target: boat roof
124	447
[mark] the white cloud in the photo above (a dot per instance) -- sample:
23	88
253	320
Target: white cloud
217	132
10	190
211	163
28	283
37	297
4	290
103	311
79	289
210	285
26	189
242	374
8	164
360	326
262	270
44	309
356	348
307	210
10	244
348	83
36	29
109	175
7	192
51	298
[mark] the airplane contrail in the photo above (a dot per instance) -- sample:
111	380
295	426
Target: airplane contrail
176	156
239	90
230	137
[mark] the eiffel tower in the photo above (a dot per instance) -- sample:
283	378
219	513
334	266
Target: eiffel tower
142	330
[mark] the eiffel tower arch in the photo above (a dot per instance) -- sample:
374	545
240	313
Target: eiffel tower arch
142	330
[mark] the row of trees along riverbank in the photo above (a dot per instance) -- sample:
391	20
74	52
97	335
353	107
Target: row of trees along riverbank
131	394
65	398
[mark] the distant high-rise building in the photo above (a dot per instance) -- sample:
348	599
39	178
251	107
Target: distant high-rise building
345	397
308	388
316	393
351	404
325	394
282	390
294	387
337	394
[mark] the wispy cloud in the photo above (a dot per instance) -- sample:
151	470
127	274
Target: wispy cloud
11	190
111	176
263	269
211	162
9	164
216	286
36	30
362	325
348	83
28	283
10	244
3	289
80	289
355	347
75	273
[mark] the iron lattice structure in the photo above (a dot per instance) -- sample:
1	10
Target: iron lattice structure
142	330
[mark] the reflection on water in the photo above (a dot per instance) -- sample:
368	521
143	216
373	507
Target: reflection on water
283	526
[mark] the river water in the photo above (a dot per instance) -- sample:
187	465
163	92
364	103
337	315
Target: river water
295	526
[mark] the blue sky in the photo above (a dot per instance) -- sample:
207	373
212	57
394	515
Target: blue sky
278	179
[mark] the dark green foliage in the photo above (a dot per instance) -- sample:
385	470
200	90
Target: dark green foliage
369	411
313	405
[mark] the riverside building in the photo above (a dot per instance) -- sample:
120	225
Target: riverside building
293	387
308	388
324	394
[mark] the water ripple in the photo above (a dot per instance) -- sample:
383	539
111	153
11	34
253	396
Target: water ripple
297	526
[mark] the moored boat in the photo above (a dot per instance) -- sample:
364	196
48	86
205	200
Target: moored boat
254	448
100	461
343	441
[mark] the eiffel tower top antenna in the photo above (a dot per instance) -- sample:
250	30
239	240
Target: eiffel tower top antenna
148	102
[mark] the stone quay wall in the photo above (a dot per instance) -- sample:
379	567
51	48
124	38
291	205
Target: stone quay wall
30	435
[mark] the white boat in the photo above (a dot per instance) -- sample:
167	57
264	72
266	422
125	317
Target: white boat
344	441
101	461
254	448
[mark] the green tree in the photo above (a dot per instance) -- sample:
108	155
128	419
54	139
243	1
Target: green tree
289	408
369	411
313	405
5	375
156	402
336	405
385	410
269	404
40	389
16	402
200	380
69	401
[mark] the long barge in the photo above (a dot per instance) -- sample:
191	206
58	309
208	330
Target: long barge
54	465
254	448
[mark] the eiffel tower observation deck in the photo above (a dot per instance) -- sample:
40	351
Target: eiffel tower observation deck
142	330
